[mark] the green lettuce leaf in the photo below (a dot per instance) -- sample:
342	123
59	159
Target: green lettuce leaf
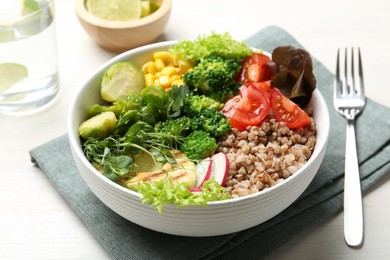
161	192
214	44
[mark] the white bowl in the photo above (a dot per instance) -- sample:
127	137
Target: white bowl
217	218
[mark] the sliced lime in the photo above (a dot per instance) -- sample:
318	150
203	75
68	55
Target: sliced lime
7	36
30	6
120	80
148	7
115	10
145	8
153	6
10	74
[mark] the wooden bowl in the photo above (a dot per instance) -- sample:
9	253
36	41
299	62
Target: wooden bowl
119	36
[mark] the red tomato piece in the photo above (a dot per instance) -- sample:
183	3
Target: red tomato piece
255	69
251	109
230	106
287	111
265	85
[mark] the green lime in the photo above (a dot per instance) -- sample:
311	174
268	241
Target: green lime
30	6
7	36
120	80
153	6
10	74
148	7
115	10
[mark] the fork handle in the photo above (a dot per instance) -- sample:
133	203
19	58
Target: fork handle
353	208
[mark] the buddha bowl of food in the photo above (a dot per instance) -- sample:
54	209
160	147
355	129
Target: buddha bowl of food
200	138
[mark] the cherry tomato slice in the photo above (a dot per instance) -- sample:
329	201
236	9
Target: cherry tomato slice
230	106
233	102
251	109
255	69
287	111
265	85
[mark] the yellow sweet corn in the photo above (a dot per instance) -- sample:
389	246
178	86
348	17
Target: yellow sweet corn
165	70
159	63
165	56
149	79
149	68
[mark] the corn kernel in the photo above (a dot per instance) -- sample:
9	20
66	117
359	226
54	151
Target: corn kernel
178	82
164	56
149	79
149	67
174	77
159	63
156	82
169	71
175	60
184	66
164	81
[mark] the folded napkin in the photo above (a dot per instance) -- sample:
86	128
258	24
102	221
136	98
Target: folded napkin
323	198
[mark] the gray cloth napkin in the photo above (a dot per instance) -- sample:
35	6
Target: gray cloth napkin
323	198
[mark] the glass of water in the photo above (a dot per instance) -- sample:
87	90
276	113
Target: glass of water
28	56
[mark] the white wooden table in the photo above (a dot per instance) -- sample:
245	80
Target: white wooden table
36	222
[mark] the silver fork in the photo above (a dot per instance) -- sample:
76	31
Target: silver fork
349	100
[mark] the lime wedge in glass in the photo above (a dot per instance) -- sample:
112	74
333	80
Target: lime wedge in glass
7	36
120	80
29	6
10	74
115	10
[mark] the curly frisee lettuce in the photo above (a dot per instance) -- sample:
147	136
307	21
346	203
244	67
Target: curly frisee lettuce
161	192
214	44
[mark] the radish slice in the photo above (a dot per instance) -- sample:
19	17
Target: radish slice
220	168
203	171
197	190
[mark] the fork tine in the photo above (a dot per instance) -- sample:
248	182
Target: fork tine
337	87
352	86
349	86
360	85
345	74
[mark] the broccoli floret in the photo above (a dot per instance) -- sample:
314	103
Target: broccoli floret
212	122
204	115
214	77
198	145
196	103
